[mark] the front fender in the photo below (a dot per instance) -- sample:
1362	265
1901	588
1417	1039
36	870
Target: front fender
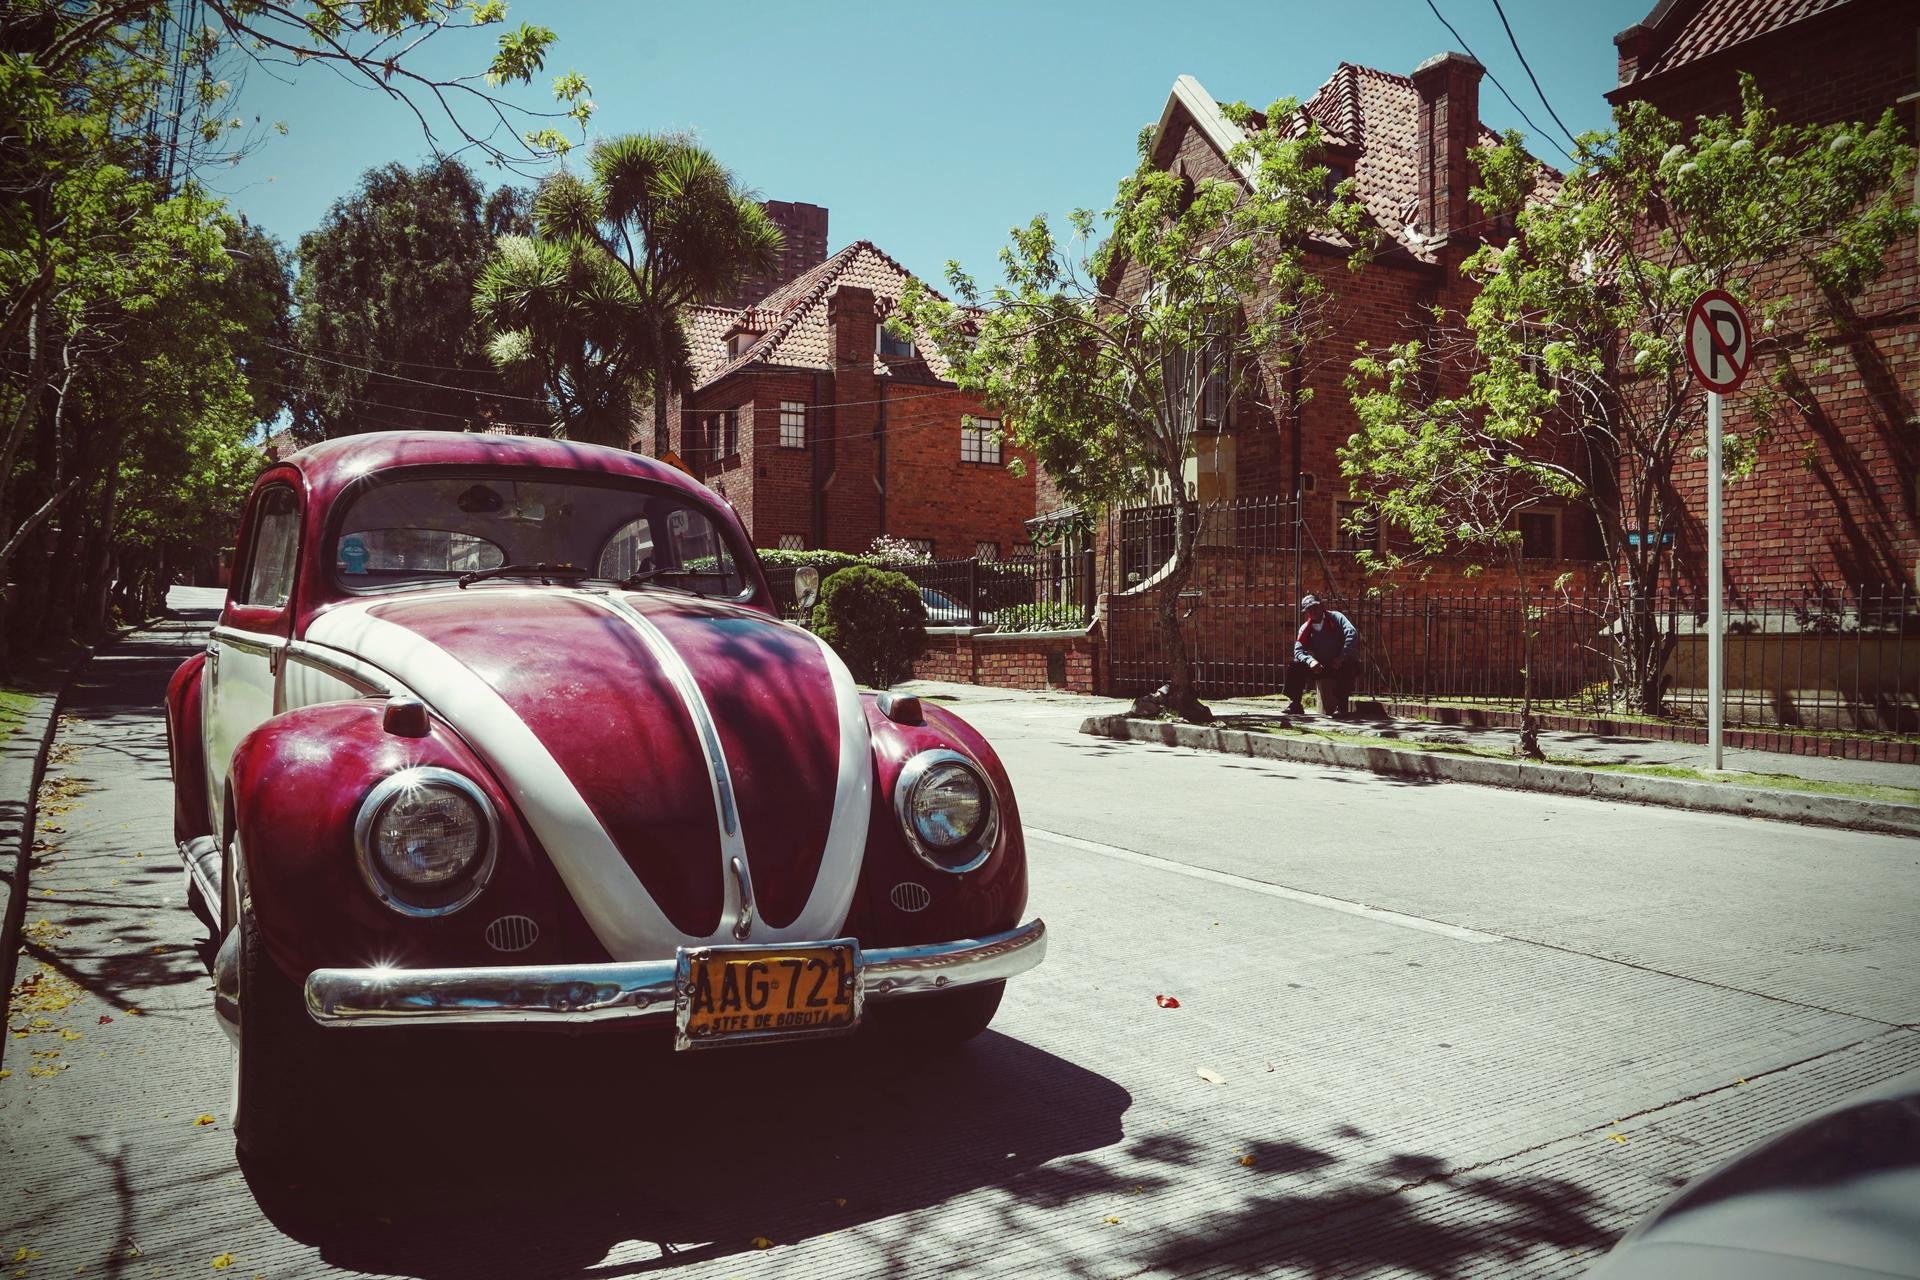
297	785
989	900
186	750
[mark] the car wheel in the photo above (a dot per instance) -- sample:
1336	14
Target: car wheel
941	1020
280	1062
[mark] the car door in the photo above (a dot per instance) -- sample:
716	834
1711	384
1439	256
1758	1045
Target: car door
248	648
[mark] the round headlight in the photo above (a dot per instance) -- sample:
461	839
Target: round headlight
426	840
947	810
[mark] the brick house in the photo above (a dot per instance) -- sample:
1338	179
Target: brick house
1834	501
1406	141
825	431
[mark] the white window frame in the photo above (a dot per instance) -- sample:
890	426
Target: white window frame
793	424
881	338
978	440
792	542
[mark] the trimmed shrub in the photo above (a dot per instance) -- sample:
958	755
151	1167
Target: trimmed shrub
825	561
875	621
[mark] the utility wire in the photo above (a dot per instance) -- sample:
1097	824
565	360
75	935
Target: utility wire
1515	42
1468	50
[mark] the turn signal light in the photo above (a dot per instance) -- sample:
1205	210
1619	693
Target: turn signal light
405	718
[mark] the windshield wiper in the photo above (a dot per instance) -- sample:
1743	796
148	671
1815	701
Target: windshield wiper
641	576
542	571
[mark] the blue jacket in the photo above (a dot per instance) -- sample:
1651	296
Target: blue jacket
1335	640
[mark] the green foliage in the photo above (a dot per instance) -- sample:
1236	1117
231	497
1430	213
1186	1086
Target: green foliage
1574	342
1046	616
875	620
1103	359
589	305
825	561
386	315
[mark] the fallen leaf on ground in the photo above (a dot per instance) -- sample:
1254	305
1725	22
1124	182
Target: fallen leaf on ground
839	1202
202	1120
5	1072
1166	1002
1211	1077
105	1019
24	1254
761	1242
1247	1160
68	1033
1620	1138
221	1261
1112	1221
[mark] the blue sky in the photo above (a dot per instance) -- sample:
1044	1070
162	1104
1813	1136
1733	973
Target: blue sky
929	128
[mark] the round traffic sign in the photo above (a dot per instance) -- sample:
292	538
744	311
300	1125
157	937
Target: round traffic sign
1719	341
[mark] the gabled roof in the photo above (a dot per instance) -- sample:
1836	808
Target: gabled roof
1685	31
1369	116
792	320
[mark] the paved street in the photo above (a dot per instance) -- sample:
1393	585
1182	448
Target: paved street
1446	1031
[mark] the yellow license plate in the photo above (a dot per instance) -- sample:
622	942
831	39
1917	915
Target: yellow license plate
731	995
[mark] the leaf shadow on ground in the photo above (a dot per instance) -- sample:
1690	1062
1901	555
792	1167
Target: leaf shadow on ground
549	1158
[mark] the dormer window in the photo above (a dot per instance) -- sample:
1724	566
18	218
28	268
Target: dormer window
740	343
1337	173
897	348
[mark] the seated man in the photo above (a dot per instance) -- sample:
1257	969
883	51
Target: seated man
1326	648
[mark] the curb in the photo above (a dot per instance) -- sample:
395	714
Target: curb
23	764
1525	775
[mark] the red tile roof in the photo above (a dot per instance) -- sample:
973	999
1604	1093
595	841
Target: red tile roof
1689	30
792	320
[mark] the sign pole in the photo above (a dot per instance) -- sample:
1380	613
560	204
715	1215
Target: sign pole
1716	594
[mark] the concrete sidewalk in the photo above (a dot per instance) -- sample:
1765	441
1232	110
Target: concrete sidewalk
1857	794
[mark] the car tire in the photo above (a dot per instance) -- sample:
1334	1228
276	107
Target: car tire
281	1077
942	1020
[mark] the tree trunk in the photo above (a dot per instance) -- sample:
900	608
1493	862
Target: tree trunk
1529	745
1180	698
661	444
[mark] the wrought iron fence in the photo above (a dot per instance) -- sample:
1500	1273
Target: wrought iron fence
1053	590
1794	659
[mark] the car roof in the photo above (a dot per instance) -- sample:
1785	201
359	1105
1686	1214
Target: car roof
331	465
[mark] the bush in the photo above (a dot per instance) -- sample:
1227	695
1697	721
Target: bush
825	561
875	621
1040	617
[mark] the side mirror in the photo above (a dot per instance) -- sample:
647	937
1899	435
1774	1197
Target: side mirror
806	585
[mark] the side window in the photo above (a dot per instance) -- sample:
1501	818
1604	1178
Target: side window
276	543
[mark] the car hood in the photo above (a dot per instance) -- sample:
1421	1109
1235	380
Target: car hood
696	772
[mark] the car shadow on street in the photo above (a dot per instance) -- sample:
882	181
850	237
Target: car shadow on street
545	1157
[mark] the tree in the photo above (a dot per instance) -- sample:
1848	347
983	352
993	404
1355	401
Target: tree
386	331
1105	361
1575	339
1454	473
669	218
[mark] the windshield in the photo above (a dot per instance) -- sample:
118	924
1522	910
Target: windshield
433	528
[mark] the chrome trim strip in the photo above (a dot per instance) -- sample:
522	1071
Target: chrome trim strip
250	641
733	845
342	668
393	895
612	992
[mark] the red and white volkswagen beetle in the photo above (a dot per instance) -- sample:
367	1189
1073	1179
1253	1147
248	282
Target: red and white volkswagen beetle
508	730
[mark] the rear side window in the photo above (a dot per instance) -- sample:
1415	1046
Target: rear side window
276	543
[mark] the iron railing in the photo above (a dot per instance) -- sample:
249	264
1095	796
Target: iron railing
1846	660
1051	590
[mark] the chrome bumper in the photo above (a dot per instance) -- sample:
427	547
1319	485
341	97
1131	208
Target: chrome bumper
643	989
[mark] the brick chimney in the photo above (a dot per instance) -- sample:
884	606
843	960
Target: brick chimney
1638	45
852	487
1449	89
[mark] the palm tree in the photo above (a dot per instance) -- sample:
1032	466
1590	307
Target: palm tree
679	228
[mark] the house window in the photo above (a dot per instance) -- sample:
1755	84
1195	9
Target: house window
723	435
921	546
792	542
980	440
1354	528
901	348
986	551
1539	534
741	343
1216	403
793	424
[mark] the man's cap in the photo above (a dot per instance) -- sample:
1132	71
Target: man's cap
1311	601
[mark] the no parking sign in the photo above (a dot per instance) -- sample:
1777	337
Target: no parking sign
1719	341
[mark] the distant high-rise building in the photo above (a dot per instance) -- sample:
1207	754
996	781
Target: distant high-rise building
805	227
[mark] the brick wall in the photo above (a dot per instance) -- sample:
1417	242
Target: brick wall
931	493
1832	500
1011	660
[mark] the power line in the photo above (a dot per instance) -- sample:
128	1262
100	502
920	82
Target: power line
1468	50
1525	65
401	377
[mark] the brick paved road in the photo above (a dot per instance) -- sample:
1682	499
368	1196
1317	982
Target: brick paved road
1545	1014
